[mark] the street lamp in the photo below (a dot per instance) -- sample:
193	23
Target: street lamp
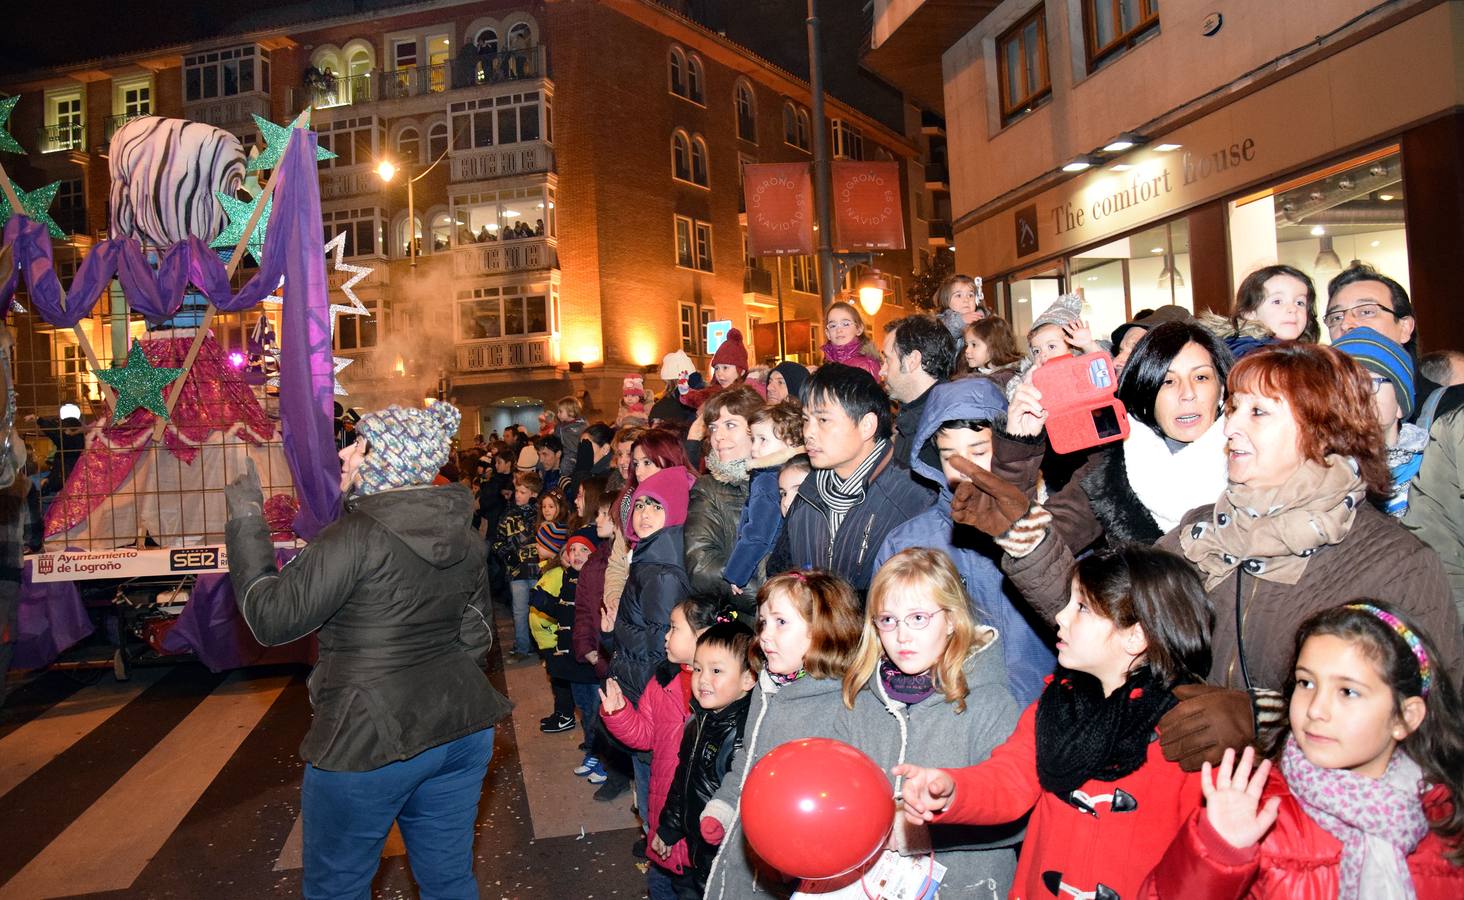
872	289
386	170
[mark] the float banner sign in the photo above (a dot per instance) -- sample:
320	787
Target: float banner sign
779	202
868	212
128	563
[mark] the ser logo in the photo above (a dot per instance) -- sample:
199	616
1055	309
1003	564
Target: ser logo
195	558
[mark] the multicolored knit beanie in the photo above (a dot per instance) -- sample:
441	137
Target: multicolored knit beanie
408	445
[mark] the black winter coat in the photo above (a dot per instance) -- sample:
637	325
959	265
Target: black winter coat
397	588
656	583
707	745
711	533
561	662
891	498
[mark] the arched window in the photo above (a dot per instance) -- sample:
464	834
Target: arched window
400	244
486	40
680	156
441	232
803	126
437	140
790	124
694	79
746	112
678	72
409	146
699	161
520	37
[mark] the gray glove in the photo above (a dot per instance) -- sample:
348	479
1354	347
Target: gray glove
243	496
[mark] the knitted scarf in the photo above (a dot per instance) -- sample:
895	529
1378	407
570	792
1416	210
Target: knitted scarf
908	689
1379	821
734	472
843	494
781	680
1083	735
1404	460
1273	532
1171	484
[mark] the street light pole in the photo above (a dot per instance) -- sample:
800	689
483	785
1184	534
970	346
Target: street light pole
822	176
386	171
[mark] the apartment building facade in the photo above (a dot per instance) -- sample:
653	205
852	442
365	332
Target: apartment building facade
575	196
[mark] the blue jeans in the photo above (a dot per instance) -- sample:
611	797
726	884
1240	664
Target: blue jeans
523	641
659	883
433	797
642	772
587	701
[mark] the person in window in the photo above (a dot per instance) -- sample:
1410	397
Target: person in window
538	228
484	236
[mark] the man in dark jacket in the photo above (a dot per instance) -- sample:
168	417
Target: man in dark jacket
917	354
857	491
404	714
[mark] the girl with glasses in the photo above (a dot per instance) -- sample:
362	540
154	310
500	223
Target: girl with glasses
847	342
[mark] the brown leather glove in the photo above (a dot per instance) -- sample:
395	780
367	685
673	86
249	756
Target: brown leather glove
1204	723
986	502
996	507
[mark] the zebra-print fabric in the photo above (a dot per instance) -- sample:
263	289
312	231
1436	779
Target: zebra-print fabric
164	175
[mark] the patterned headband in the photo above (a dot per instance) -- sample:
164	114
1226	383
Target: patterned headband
1425	671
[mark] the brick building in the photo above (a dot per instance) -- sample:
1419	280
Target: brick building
576	187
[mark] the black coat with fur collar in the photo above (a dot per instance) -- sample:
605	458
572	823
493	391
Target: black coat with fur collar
1123	515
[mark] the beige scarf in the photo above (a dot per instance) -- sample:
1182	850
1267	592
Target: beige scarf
1272	533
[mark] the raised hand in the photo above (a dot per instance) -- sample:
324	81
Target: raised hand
1026	416
612	699
1233	800
986	502
1080	335
925	791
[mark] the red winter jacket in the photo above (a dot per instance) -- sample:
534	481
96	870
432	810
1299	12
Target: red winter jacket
589	600
1296	860
655	723
1133	819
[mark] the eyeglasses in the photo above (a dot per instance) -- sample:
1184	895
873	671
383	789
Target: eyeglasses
1377	382
1363	312
915	621
842	323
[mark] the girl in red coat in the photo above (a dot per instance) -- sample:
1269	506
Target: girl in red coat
1365	802
1084	759
655	723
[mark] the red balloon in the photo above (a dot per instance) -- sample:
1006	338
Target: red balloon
816	808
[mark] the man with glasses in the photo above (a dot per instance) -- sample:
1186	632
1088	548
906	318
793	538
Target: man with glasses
1361	296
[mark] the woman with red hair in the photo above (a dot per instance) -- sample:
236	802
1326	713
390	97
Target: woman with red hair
1294	532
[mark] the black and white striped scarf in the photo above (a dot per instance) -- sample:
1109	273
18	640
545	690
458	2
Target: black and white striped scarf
843	494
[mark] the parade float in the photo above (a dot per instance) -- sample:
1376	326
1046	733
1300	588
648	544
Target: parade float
141	514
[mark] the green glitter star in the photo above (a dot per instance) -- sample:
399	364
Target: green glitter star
239	212
139	384
8	143
36	206
275	138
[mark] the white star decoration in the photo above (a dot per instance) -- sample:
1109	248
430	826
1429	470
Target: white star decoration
337	248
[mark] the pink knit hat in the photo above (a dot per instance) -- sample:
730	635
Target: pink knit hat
671	488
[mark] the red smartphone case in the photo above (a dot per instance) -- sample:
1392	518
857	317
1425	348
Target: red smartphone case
1078	393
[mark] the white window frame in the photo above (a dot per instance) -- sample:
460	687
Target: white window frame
76	138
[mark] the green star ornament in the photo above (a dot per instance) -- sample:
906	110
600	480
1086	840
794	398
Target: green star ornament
36	206
275	138
239	212
8	143
139	384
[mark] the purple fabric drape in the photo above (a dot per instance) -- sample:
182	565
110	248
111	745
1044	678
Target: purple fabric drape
211	628
307	366
50	619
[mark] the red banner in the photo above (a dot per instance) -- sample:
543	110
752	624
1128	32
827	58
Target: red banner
779	200
868	214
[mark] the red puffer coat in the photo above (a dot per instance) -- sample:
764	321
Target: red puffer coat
1297	859
655	723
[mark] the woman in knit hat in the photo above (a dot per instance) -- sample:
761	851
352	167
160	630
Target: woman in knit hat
404	714
786	382
1390	367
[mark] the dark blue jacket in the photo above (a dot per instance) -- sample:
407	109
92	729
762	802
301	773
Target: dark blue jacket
757	529
655	584
891	498
1026	643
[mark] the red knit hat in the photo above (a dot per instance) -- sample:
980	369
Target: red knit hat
732	352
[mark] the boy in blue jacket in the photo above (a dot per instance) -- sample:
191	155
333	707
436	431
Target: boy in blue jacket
959	420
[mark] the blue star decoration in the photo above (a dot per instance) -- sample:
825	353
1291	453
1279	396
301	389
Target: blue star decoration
275	139
239	212
36	206
8	143
139	384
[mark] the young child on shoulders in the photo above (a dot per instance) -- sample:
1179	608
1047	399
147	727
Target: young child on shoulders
1059	331
1104	801
777	437
721	683
1366	800
809	624
655	722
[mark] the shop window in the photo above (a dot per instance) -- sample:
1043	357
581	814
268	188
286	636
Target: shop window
1022	65
1112	26
1325	220
746	106
1145	270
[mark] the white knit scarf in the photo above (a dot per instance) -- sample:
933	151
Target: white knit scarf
1171	484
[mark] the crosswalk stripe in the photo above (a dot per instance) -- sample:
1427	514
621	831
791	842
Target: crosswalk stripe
108	846
30	747
292	854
